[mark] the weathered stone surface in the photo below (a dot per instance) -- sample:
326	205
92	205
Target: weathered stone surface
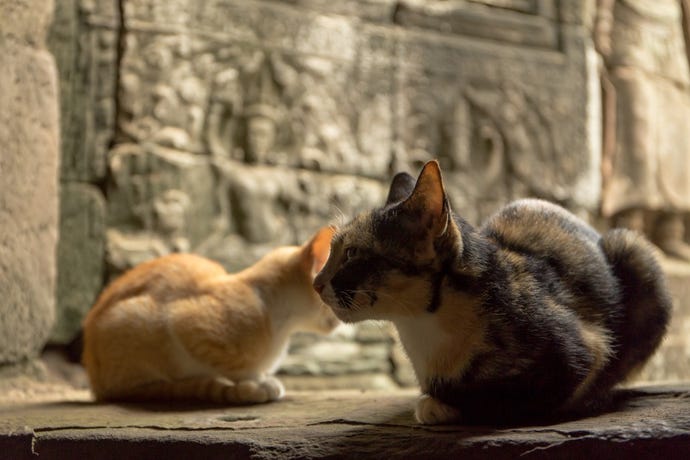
81	264
367	381
160	200
337	354
506	115
25	23
372	10
671	363
55	422
29	138
83	38
646	100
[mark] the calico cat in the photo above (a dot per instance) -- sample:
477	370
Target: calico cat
533	315
181	327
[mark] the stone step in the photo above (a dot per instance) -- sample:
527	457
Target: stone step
57	423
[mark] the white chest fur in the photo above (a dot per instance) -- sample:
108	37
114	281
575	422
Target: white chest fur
422	339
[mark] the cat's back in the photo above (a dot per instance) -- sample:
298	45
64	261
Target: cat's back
128	334
540	228
162	278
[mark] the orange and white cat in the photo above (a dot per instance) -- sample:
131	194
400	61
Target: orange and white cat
181	327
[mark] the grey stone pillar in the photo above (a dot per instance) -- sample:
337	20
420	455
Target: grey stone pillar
29	139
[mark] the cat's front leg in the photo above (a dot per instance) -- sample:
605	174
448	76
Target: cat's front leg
431	411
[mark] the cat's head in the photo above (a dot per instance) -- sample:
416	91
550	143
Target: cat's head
289	272
313	255
381	264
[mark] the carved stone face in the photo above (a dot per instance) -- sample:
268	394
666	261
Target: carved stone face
261	133
170	211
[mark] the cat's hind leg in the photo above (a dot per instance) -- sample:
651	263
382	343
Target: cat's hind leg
431	411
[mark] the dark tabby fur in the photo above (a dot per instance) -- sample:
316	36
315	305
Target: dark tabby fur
532	315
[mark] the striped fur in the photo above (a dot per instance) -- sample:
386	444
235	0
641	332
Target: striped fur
532	315
181	328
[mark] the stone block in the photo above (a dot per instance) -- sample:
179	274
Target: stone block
671	363
81	265
340	353
259	82
29	139
382	11
60	423
159	201
506	107
84	40
26	23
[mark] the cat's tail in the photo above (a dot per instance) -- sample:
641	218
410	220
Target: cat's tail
200	389
645	304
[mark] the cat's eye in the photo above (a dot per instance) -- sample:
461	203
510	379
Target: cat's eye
351	253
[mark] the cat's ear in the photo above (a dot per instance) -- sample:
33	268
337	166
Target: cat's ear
316	250
401	188
428	200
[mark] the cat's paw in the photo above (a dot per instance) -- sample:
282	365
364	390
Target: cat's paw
431	411
274	388
259	391
251	392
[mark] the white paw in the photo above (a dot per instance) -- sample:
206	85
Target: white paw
251	392
274	388
431	411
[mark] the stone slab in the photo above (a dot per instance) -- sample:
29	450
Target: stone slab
55	424
29	139
84	40
80	257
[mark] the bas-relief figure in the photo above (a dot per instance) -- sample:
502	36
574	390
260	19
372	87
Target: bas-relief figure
150	210
494	140
125	249
646	83
260	120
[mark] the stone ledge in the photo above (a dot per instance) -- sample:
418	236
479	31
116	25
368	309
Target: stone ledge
54	423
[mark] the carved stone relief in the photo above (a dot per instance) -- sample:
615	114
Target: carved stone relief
160	201
500	131
261	107
645	48
279	109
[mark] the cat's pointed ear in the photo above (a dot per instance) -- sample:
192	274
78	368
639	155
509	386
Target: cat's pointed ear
316	250
428	199
401	188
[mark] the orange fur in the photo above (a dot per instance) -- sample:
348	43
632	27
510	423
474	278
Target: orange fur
181	327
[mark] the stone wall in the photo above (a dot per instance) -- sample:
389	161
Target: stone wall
233	126
29	143
83	38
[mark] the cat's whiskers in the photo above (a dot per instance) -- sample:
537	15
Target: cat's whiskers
408	308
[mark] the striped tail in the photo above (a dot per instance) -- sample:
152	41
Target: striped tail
645	305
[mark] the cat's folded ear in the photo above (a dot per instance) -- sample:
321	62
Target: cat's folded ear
428	200
401	188
315	252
